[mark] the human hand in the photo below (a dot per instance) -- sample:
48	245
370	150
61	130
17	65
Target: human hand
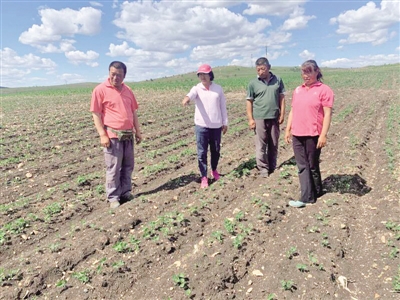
224	129
252	124
138	138
185	101
281	118
288	137
104	141
321	141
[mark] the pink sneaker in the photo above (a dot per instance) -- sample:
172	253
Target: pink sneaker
204	182
215	175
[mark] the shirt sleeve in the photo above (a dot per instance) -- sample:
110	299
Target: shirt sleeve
327	97
192	93
96	104
224	112
281	86
250	92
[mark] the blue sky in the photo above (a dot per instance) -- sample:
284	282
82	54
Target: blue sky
60	42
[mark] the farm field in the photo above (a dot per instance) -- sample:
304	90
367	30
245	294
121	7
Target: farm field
238	239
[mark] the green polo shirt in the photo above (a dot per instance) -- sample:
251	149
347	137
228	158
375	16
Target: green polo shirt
265	97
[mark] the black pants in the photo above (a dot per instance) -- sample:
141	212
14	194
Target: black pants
307	159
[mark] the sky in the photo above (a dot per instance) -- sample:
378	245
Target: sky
46	43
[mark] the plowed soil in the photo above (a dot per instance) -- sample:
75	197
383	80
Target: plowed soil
238	239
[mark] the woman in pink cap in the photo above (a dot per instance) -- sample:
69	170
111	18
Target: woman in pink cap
210	118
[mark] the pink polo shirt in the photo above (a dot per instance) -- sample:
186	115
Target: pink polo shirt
307	108
210	109
116	108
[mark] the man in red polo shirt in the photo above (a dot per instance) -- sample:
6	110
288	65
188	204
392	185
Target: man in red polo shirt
114	110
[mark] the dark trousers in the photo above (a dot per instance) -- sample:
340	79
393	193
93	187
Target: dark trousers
307	159
205	137
119	161
267	141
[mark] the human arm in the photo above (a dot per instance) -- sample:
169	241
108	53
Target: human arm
185	101
136	128
282	108
288	128
325	127
98	123
249	110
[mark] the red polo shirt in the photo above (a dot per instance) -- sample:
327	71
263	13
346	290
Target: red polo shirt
116	107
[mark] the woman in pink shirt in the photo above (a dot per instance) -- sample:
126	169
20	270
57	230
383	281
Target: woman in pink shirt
308	124
210	120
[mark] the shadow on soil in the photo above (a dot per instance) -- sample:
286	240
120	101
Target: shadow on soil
172	184
346	183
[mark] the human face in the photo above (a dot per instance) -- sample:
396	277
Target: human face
262	71
309	76
116	77
205	79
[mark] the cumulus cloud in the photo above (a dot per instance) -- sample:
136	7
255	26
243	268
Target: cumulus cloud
272	8
68	78
174	26
10	59
95	3
57	24
362	61
297	20
306	55
368	24
79	57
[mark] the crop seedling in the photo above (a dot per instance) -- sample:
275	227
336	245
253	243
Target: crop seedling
302	268
135	243
287	285
101	264
61	283
218	236
271	297
229	226
121	247
118	264
54	247
325	241
183	282
396	281
239	216
238	241
82	276
291	252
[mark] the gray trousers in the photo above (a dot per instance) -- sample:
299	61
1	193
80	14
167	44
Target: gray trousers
267	141
119	160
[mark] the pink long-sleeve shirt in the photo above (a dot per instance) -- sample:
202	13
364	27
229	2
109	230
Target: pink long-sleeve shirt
210	109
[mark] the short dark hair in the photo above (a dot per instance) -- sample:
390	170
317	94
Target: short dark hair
263	61
118	65
311	64
211	75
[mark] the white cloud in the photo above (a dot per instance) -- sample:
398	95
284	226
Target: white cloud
297	20
57	24
121	50
175	27
68	78
368	24
79	57
95	3
306	55
10	59
273	8
362	61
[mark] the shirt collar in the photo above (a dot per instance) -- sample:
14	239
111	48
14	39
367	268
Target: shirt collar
318	83
271	75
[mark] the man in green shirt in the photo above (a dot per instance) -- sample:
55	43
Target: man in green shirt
265	111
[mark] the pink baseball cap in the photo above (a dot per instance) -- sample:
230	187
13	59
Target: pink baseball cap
204	69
